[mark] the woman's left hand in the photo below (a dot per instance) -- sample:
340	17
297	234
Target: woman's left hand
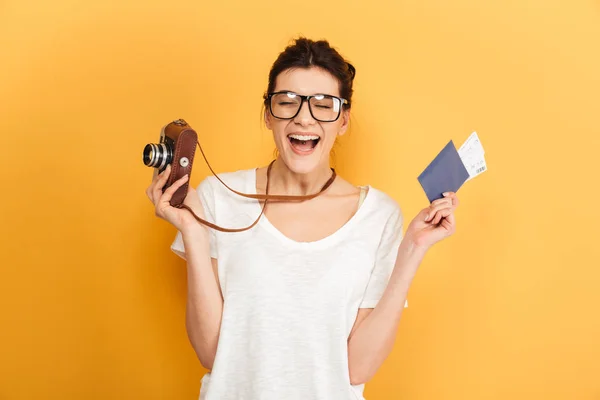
434	223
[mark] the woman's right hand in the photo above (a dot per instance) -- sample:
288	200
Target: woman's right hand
182	219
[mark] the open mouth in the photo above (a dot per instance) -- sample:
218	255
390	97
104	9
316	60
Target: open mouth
303	143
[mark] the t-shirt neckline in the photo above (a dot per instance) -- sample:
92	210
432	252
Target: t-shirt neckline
323	242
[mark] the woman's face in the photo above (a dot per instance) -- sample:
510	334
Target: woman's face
304	143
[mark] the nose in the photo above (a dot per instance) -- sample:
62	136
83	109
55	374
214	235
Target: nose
304	117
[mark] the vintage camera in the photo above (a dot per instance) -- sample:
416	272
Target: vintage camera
176	146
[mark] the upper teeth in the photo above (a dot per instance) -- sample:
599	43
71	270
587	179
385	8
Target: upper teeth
304	137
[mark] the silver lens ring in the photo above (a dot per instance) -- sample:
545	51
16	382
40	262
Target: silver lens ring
164	156
153	155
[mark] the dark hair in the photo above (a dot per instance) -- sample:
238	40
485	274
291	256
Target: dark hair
306	53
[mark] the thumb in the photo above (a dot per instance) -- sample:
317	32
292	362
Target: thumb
423	214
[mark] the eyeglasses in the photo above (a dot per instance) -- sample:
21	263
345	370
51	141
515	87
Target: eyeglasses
322	107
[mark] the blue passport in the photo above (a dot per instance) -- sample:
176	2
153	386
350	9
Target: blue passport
446	173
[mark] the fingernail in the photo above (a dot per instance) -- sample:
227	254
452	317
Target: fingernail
446	194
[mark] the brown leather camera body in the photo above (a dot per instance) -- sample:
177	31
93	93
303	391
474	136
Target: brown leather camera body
177	146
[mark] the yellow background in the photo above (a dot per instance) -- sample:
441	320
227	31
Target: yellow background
93	300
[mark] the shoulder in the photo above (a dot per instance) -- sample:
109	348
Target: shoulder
384	204
384	199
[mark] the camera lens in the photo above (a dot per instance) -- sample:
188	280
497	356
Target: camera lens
158	155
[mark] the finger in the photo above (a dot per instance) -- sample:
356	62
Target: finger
444	200
166	197
433	209
150	190
453	197
164	201
163	173
160	183
449	223
441	214
424	214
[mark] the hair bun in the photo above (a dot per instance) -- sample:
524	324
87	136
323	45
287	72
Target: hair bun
352	70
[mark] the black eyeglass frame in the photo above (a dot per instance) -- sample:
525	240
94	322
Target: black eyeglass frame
306	98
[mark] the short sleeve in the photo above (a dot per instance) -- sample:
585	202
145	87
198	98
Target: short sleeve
385	260
207	196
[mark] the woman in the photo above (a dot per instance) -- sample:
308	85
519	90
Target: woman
306	304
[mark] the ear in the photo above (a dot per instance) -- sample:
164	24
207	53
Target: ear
268	119
345	117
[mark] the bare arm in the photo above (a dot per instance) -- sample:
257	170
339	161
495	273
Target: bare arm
374	332
204	306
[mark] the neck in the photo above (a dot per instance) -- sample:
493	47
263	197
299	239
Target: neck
285	181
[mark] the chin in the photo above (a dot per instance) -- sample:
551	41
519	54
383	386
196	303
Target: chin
301	166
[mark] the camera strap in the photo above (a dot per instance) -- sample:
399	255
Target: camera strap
266	197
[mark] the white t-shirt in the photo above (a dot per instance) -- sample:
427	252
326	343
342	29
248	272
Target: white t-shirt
289	306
